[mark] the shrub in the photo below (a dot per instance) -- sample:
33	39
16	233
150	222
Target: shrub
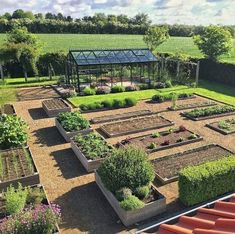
15	199
131	203
13	131
226	125
117	89
123	193
88	91
84	107
160	85
42	219
130	102
162	97
103	90
127	167
143	86
168	84
131	88
152	146
156	135
108	104
119	103
73	121
201	183
35	196
142	192
93	146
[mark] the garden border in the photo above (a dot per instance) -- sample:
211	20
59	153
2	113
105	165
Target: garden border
175	178
171	123
54	112
217	129
131	217
25	181
68	135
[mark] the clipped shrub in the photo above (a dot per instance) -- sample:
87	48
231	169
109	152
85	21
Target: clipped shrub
72	121
130	102
123	193
108	103
119	103
13	131
103	90
207	181
117	89
143	86
88	91
84	107
162	97
131	203
131	88
142	192
127	167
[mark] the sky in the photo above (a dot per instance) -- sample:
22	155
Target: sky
197	12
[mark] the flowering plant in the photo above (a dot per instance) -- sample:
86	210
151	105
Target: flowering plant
39	220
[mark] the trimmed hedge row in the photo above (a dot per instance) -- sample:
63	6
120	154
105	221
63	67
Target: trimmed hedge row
207	181
162	97
109	104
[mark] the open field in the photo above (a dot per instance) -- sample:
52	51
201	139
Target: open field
64	42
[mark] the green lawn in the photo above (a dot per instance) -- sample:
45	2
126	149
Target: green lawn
32	81
210	89
64	42
7	95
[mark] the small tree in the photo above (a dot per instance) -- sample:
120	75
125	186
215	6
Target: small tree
155	36
214	42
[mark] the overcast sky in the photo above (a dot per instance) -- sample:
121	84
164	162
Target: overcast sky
160	11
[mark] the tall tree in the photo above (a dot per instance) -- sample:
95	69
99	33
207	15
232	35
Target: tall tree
214	42
155	36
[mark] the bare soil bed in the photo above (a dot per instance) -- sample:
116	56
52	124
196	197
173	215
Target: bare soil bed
162	140
55	104
122	116
17	164
226	130
167	168
192	105
7	109
135	125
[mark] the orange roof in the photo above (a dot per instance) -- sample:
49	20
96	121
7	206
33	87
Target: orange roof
217	220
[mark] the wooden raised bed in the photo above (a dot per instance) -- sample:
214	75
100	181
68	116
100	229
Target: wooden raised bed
68	135
17	165
7	109
215	126
131	217
45	201
167	168
135	125
166	140
54	106
192	105
122	116
89	164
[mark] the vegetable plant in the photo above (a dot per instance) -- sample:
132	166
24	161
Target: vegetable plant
73	121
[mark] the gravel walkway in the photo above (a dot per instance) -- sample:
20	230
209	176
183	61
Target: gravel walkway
84	208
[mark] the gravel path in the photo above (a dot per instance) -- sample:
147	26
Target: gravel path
84	208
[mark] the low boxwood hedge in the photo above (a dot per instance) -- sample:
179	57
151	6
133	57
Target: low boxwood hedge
207	181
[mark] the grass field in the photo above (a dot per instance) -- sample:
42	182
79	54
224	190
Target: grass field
64	42
210	89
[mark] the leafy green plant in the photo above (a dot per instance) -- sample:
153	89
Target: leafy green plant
131	203
15	199
73	121
13	131
127	167
226	125
88	91
130	102
108	104
119	103
93	146
193	136
162	97
156	135
35	196
181	139
142	192
117	89
123	193
152	146
204	182
174	99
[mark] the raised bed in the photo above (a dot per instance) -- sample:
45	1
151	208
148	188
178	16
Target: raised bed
17	165
68	135
226	131
162	140
192	105
89	164
167	168
135	125
170	99
45	201
54	106
7	109
122	116
128	218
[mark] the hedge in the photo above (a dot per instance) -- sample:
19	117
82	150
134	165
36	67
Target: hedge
207	181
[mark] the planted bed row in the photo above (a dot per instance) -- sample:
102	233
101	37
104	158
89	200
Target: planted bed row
224	126
162	97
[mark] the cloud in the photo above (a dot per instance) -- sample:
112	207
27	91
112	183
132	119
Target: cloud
160	11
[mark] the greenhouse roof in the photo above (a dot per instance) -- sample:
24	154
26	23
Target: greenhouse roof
113	56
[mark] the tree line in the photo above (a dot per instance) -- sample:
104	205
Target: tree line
97	24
